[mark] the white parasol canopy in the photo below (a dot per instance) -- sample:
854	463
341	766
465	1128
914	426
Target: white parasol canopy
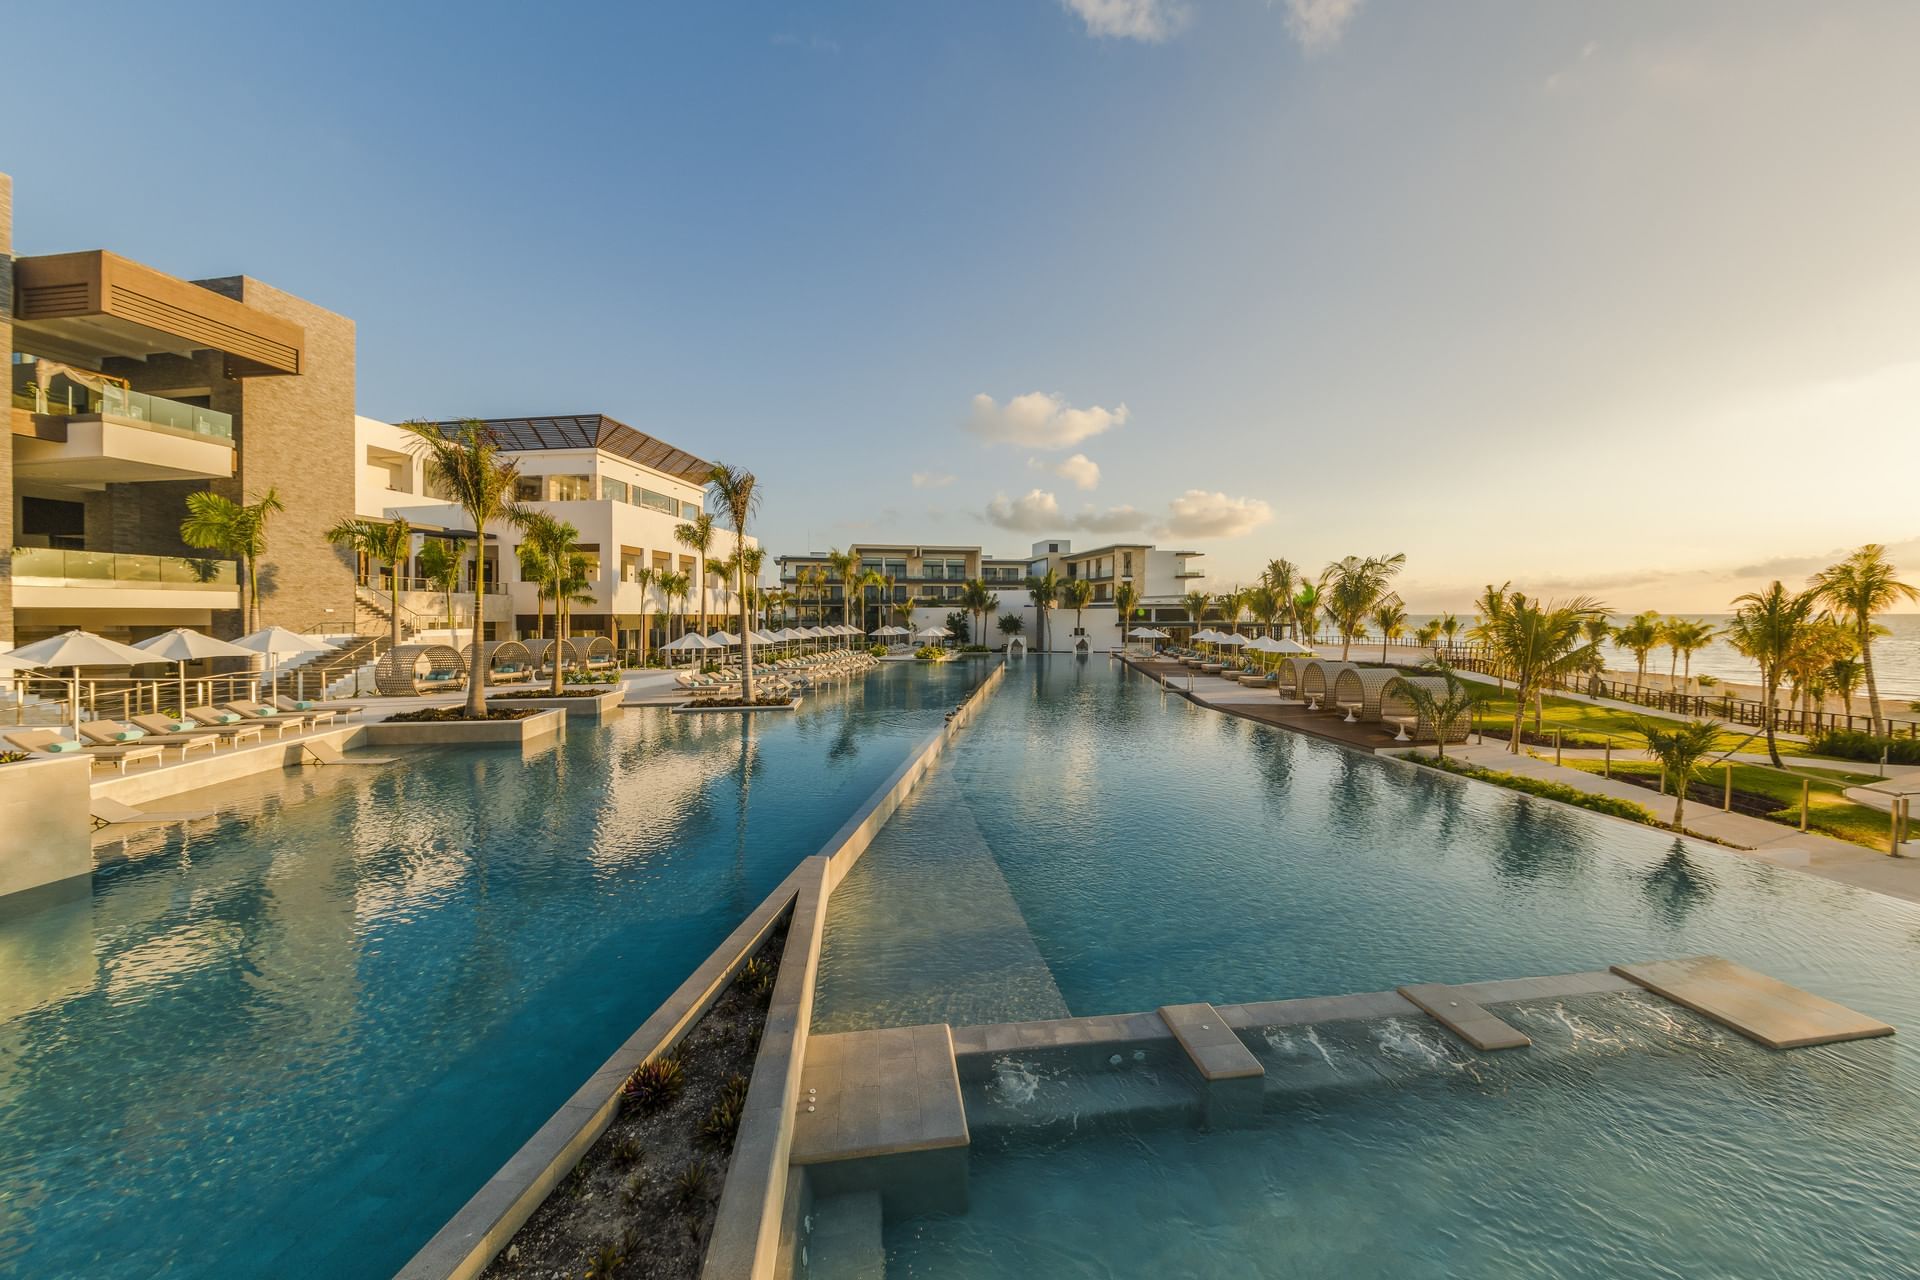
693	641
76	649
932	633
183	645
723	638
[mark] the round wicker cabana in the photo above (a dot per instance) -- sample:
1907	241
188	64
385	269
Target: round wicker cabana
1397	708
1363	685
599	654
505	661
1317	678
1287	675
419	668
573	653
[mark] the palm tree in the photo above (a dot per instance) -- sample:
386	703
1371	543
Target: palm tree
1822	641
697	536
1391	618
643	577
1766	627
1679	748
440	567
1196	604
386	541
468	467
545	544
852	575
1233	607
1011	626
1444	711
1044	592
1539	642
1263	602
738	493
1354	587
1843	678
1640	638
1687	637
1486	626
1076	594
1857	588
217	523
1427	636
1282	577
1449	629
676	586
570	585
1306	612
978	599
1126	599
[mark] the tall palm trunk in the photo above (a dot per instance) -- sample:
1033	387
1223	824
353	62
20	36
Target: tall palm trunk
1769	707
477	677
1520	693
1864	634
746	636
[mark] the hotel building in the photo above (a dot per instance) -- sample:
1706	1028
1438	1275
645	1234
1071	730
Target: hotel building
933	576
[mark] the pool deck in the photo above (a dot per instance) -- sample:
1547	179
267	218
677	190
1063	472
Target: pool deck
1262	705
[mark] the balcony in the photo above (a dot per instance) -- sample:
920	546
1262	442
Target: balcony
52	578
76	435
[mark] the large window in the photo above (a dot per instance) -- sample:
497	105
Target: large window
612	490
569	488
657	501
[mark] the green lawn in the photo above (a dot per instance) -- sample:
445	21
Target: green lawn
1585	725
1828	810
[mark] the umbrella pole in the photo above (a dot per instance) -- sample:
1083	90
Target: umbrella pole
181	710
76	703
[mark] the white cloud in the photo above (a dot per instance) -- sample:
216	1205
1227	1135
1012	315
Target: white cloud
1199	514
932	479
1318	24
1039	512
1150	21
1083	471
1040	421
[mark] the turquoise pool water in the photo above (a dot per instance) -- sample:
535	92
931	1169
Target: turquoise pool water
1094	845
298	1041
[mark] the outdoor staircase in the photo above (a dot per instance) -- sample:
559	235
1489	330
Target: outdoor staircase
334	673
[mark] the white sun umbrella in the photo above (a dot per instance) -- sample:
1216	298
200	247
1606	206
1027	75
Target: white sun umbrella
933	633
723	638
1236	639
1261	644
1287	644
692	642
1143	633
183	645
274	641
77	649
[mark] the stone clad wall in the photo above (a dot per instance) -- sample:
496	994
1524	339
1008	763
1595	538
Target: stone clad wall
6	454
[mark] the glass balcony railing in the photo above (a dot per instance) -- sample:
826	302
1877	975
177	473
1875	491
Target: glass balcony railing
108	566
72	401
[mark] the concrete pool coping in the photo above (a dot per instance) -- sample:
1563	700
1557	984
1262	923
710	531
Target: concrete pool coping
754	1211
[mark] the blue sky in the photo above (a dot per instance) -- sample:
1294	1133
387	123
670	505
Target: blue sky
1610	296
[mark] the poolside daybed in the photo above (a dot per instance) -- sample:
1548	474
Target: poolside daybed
414	669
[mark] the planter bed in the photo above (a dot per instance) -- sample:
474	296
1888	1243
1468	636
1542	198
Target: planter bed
598	702
736	708
442	726
641	1202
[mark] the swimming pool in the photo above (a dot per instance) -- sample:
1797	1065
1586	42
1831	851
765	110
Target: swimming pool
300	1041
1095	845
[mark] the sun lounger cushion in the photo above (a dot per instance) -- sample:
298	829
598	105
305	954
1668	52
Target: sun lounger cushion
60	746
128	735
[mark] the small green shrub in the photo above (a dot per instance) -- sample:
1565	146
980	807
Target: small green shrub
929	653
654	1083
877	650
1849	744
636	1188
14	757
1559	791
627	1151
723	1121
756	976
691	1185
605	1261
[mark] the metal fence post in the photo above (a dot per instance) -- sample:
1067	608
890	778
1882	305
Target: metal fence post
1607	769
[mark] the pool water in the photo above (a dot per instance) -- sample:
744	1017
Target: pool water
301	1039
1094	845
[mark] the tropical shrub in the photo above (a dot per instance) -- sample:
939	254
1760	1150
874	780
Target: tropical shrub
1850	744
690	1186
654	1083
1538	787
877	650
930	653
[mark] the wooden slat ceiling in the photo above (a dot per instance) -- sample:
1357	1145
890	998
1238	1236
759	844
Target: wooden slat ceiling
593	431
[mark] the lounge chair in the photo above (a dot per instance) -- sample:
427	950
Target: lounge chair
49	742
315	714
230	729
330	709
263	714
109	733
